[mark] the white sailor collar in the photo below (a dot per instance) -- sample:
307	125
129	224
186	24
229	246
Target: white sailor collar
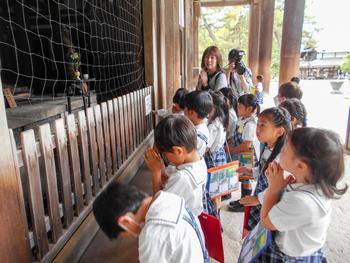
191	168
166	209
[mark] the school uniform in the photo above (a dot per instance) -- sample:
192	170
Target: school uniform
245	131
188	181
202	138
261	185
232	124
171	233
301	218
217	137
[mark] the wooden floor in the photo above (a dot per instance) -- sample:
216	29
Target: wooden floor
104	250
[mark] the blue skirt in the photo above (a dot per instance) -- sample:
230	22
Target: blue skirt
274	255
217	158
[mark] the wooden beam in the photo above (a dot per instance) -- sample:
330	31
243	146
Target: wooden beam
225	3
14	245
293	20
150	45
195	26
188	48
170	52
161	54
254	36
265	40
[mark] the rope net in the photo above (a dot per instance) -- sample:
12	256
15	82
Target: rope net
43	43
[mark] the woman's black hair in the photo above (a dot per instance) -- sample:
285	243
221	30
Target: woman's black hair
296	109
221	107
230	95
199	101
179	97
323	152
250	100
113	202
280	117
175	130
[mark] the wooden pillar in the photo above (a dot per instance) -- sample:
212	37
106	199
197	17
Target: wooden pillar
253	44
150	45
14	245
195	25
293	20
265	42
177	51
188	44
169	47
161	53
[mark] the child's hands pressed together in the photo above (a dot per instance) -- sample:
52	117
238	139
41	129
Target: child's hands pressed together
274	174
153	160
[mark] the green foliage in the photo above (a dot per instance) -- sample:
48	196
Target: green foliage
345	65
227	28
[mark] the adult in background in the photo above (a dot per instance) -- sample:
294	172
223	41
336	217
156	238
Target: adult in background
212	75
239	77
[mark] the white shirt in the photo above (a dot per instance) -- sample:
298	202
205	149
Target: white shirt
259	87
202	132
302	217
247	127
166	236
232	123
187	181
217	135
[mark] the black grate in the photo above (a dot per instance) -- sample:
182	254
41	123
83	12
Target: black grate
39	39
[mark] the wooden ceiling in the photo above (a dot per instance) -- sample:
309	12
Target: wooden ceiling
217	3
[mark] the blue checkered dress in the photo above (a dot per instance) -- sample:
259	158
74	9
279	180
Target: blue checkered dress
261	185
217	158
212	159
237	140
274	255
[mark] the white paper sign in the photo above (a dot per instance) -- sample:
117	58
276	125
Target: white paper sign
148	104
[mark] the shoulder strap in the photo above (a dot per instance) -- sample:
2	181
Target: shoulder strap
194	225
217	76
317	200
202	137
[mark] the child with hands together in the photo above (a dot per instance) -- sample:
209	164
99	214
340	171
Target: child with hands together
298	206
175	146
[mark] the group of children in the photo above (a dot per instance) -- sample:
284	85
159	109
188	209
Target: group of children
296	176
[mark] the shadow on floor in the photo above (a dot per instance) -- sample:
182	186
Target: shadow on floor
122	249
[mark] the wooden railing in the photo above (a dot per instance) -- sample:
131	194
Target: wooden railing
63	166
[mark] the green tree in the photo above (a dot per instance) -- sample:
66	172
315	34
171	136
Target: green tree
345	65
227	28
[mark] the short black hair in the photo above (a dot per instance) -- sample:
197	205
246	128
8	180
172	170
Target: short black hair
295	79
116	200
179	97
296	109
250	100
199	101
260	77
175	130
290	90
